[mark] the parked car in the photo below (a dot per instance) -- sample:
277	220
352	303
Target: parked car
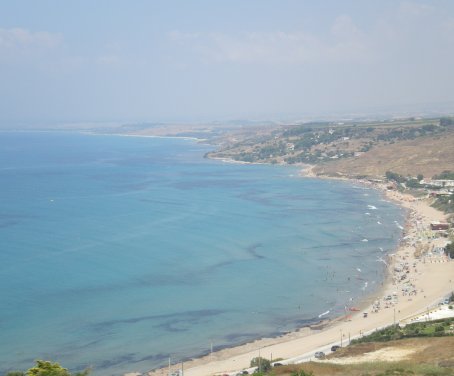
335	348
277	364
319	355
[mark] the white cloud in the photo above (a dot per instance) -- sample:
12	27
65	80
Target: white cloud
414	9
22	46
23	38
397	36
345	44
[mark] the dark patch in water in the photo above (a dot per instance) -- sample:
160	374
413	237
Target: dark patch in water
155	357
206	183
306	322
4	224
240	337
126	358
335	245
252	250
8	220
255	196
169	322
160	202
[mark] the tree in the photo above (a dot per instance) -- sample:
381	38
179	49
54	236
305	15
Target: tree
46	368
449	250
446	121
262	364
394	176
420	177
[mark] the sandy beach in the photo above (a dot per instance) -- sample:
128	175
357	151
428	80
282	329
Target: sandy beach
417	281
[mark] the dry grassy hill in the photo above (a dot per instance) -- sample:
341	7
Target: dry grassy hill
423	155
415	356
408	147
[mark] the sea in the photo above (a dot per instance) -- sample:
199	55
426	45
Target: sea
118	253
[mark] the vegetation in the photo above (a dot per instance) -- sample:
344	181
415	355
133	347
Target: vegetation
392	176
435	328
409	146
445	175
317	142
402	368
445	121
449	250
302	372
429	356
262	364
46	368
444	203
409	182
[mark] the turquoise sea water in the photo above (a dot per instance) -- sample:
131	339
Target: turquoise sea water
118	252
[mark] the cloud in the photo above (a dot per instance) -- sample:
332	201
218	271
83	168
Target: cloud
22	38
395	36
18	45
415	9
346	43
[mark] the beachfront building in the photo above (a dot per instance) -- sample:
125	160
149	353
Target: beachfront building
441	183
439	226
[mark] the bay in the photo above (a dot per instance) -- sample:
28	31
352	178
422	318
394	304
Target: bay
119	252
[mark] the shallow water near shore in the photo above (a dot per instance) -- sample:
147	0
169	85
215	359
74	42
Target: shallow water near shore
118	252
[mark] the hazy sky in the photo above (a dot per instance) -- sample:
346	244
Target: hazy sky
218	59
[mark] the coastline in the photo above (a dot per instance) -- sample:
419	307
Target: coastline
428	277
144	136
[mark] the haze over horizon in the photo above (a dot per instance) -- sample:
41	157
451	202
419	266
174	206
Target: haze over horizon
203	60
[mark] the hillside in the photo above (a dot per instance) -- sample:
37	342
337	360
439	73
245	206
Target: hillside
425	155
415	356
369	148
420	348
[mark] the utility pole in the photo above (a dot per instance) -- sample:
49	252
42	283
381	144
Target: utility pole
169	367
341	336
260	362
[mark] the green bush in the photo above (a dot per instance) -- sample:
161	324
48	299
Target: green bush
46	368
262	364
302	372
439	328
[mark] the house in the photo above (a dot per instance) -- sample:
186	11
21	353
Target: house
438	183
440	193
436	226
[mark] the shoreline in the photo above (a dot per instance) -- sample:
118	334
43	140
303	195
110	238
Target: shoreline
144	136
293	347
